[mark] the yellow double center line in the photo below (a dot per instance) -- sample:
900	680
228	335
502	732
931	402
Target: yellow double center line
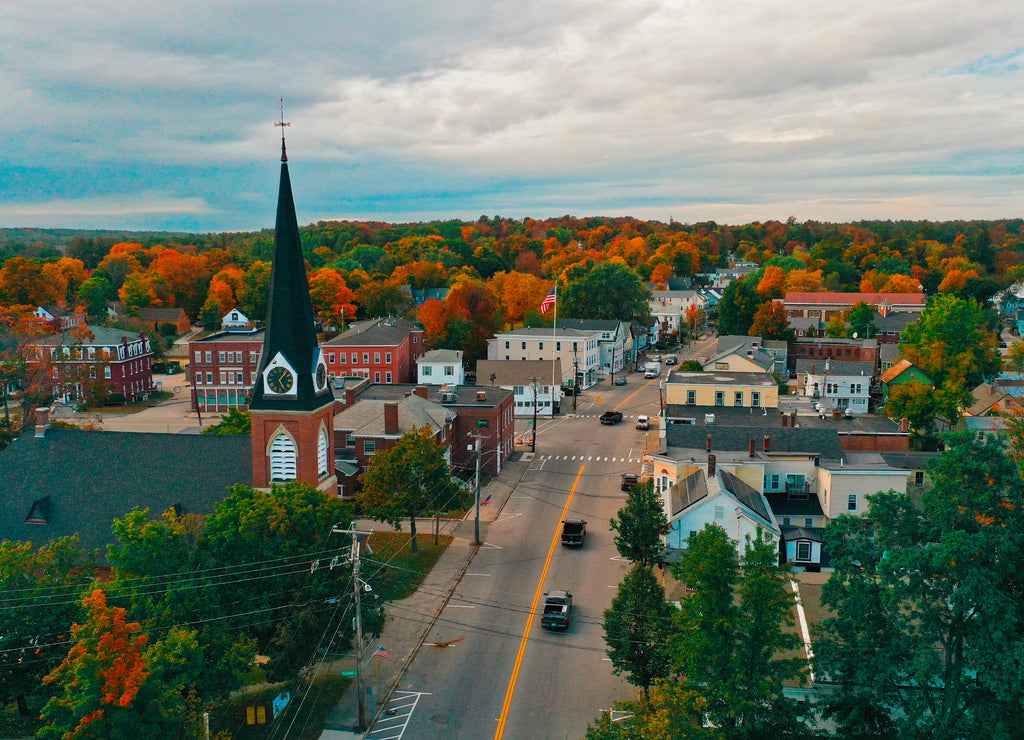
533	612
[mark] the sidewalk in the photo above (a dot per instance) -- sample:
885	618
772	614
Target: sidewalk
404	630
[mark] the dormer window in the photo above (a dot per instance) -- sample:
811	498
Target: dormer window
40	512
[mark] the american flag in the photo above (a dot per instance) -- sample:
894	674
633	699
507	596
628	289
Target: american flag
382	652
548	302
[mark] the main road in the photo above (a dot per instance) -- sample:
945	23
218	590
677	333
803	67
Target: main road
487	669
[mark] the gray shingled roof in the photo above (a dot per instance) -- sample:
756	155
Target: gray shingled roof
385	332
94	477
519	372
824	442
835	367
366	416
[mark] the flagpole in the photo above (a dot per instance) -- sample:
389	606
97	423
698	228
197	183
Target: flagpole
554	329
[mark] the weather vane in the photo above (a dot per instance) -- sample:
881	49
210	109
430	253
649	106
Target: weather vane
282	123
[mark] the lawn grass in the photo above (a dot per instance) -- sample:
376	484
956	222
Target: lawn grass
393	569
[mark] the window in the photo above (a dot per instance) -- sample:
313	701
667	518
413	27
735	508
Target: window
376	358
558	346
387	358
209	378
426	371
92	373
387	377
220	357
350	440
719	398
199	378
254	356
755	399
506	346
785	521
772	482
106	374
524	345
330	357
721	366
239	379
719	512
449	370
691	398
366	358
321	454
808	521
919	478
540	346
851	502
282	458
376	377
199	355
343	358
369	447
209	355
803	551
737	398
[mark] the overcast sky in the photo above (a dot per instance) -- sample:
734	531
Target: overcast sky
154	115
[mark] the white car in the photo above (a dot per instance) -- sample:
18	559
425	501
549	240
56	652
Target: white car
642	422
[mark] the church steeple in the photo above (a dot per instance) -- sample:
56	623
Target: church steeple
292	404
291	332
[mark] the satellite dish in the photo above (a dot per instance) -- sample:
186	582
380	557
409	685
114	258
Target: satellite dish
854	335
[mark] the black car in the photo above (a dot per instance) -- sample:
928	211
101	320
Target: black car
629	480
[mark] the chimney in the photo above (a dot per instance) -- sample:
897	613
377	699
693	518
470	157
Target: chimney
421	391
391	418
785	420
751	449
707	445
766	442
904	425
42	420
711	466
481	395
814	368
350	396
792	418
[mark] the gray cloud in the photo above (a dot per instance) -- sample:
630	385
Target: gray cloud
760	109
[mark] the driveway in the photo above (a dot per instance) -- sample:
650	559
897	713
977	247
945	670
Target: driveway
173	416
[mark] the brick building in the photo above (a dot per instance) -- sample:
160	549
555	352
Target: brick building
381	350
223	370
121	360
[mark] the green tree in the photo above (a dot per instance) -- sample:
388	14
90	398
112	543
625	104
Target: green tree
637	627
922	405
730	634
953	340
40	598
1015	355
771	322
861	318
407	480
925	592
639	526
836	328
691	366
608	290
232	422
94	294
736	310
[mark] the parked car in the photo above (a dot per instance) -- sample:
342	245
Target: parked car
671	360
620	380
629	480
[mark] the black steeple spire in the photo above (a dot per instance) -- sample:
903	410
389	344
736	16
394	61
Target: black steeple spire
291	333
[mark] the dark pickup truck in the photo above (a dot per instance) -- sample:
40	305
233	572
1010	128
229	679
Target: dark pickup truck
557	606
611	417
573	532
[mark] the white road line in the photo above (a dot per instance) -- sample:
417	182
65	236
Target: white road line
461	606
487	575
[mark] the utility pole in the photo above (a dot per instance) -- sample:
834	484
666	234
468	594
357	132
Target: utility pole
612	382
476	486
533	439
356	595
575	378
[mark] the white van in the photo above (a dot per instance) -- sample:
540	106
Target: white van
642	422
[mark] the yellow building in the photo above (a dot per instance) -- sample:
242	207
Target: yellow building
711	388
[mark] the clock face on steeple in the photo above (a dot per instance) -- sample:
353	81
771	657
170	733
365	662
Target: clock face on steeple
319	370
279	377
280	380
